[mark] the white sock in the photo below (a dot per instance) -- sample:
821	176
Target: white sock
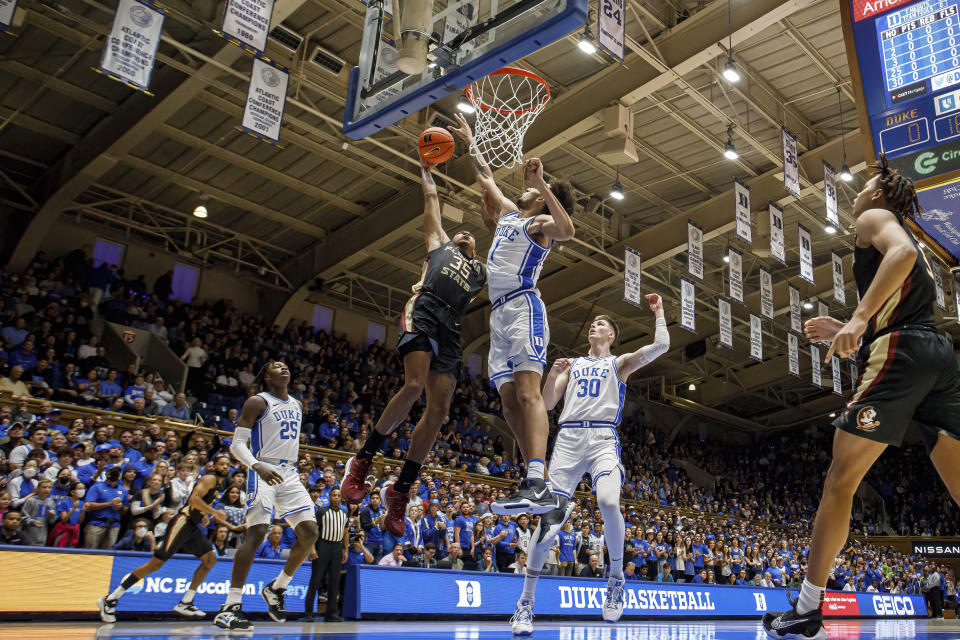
608	499
116	593
529	584
188	596
282	580
535	468
811	597
235	596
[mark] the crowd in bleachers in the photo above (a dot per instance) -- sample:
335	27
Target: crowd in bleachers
88	482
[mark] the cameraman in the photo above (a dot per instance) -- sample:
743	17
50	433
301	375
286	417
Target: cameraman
357	553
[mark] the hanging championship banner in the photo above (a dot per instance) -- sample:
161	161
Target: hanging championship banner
793	350
822	308
736	274
830	195
688	318
766	293
694	249
794	308
791	168
806	254
7	9
815	366
742	194
956	293
246	24
835	372
854	374
726	322
632	277
838	293
266	97
778	249
756	338
610	27
938	283
130	49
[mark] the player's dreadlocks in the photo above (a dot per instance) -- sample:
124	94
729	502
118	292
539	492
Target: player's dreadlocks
259	379
898	190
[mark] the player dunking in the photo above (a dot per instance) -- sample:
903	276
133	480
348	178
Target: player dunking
523	234
271	421
907	371
430	345
183	536
592	388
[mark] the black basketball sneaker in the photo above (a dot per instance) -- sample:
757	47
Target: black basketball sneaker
790	625
533	496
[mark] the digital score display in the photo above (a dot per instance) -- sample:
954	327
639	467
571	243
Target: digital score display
907	58
920	51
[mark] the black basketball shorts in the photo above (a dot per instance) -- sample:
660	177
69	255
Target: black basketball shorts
430	325
904	375
183	536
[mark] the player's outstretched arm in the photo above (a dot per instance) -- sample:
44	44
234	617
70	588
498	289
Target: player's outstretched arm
484	174
821	328
881	229
558	225
433	233
253	408
630	362
556	383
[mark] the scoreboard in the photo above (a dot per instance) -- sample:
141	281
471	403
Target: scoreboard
904	58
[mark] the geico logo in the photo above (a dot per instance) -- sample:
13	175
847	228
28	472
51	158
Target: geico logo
655	599
893	606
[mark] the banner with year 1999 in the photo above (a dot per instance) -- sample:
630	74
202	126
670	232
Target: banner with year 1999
131	48
266	97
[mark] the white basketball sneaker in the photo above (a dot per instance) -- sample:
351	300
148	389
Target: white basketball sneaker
522	620
614	602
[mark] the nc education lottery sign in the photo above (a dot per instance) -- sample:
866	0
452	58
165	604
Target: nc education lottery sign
131	48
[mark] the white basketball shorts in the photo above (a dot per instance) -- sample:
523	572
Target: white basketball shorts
519	335
579	450
289	501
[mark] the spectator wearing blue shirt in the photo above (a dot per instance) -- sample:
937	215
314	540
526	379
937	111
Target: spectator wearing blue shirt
316	476
432	527
328	430
271	549
17	333
146	464
109	389
567	543
505	546
138	538
463	532
24	356
134	390
178	409
372	523
357	553
700	577
106	503
69	514
230	422
497	467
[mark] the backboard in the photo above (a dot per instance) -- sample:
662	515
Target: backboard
467	40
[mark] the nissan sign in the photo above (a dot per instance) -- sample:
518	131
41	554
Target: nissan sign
937	549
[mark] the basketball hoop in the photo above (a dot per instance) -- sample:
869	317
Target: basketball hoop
507	102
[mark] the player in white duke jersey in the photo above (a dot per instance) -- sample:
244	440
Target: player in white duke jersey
523	234
271	421
592	388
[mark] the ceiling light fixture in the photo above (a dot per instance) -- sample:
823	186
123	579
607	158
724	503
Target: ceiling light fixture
730	71
200	211
586	42
730	151
845	174
692	387
830	229
616	191
807	304
465	105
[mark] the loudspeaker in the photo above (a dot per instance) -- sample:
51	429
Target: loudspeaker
695	349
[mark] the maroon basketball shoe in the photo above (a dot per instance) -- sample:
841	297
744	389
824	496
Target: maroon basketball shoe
352	487
396	510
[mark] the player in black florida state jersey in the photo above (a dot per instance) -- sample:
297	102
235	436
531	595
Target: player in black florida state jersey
430	345
907	371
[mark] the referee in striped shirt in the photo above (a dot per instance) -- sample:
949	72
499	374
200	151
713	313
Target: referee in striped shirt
331	554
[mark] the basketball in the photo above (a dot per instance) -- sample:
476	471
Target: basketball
436	145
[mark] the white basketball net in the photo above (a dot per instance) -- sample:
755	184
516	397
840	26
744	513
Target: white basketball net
507	103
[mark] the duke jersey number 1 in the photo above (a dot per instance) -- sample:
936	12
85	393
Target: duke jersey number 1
277	433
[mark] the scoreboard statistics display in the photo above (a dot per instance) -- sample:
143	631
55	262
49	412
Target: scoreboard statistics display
907	61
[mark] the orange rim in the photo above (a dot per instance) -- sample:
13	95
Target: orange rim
510	71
